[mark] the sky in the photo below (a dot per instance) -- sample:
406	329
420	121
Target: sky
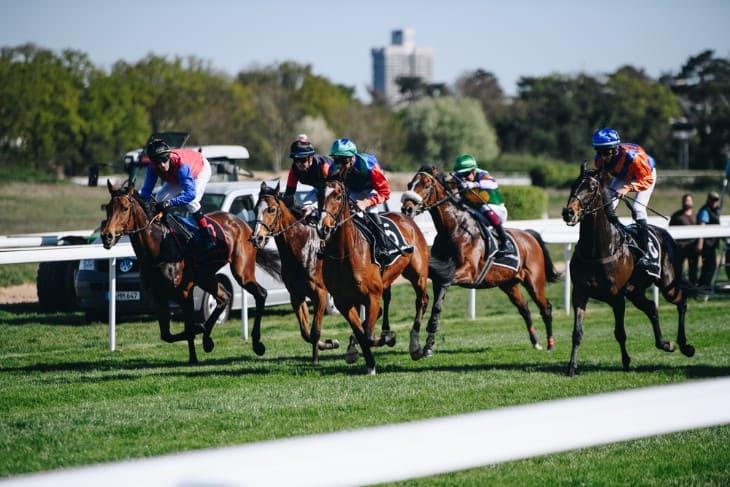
510	39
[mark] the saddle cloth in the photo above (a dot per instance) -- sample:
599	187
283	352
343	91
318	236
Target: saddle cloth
392	232
654	250
185	239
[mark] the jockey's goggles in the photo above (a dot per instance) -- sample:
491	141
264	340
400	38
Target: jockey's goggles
604	151
341	160
300	160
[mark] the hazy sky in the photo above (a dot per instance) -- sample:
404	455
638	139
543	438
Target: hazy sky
511	39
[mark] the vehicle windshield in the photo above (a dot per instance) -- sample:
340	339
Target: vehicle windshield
211	202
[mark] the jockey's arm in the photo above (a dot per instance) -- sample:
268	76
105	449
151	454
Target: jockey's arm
291	182
149	183
187	183
380	185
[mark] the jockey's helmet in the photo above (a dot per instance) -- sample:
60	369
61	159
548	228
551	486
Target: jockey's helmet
606	137
158	151
301	147
343	148
464	163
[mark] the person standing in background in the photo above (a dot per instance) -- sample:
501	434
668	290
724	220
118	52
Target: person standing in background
709	214
687	248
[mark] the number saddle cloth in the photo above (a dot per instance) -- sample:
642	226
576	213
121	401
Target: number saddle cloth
654	251
184	239
392	232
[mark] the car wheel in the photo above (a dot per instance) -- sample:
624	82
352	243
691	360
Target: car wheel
208	304
330	308
55	286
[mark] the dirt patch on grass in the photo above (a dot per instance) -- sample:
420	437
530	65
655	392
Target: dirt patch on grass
23	293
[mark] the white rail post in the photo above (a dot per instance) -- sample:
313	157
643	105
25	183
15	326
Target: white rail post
472	304
244	314
566	298
112	303
656	295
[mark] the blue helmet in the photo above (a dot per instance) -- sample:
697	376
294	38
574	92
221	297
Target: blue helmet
606	138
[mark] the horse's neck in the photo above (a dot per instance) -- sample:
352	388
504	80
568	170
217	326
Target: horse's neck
598	237
146	243
446	218
347	239
297	236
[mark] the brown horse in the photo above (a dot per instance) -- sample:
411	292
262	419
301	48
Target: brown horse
602	267
459	252
354	280
126	216
301	269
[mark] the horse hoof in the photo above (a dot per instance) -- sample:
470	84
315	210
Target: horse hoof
259	348
627	364
550	347
572	371
427	353
351	356
666	346
687	350
389	338
334	344
416	354
193	361
208	344
537	346
371	371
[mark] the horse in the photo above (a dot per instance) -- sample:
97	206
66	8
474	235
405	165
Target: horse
603	267
301	268
459	255
126	216
354	280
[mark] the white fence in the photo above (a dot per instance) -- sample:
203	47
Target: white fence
422	448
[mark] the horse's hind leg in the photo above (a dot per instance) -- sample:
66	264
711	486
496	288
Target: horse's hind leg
387	336
518	299
649	308
537	293
301	310
675	295
162	309
619	330
222	299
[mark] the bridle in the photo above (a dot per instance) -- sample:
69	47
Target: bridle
336	216
135	231
594	205
276	223
431	189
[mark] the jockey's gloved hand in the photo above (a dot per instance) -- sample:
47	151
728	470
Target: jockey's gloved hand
470	184
162	206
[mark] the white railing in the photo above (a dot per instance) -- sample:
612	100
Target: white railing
422	448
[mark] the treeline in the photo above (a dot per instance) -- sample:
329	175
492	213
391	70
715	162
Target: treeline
60	113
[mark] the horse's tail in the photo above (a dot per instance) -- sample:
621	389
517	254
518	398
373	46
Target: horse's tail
670	248
269	260
551	273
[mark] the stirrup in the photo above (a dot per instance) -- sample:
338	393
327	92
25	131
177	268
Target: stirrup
406	249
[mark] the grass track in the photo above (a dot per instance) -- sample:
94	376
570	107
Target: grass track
67	401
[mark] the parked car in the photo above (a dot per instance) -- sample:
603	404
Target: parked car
92	282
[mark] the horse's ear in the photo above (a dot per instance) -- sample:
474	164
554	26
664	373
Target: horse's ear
583	167
130	188
103	207
264	186
110	186
278	185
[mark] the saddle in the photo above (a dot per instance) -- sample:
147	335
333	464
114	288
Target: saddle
509	260
654	250
183	239
391	231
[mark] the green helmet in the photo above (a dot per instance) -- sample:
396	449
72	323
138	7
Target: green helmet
343	148
464	163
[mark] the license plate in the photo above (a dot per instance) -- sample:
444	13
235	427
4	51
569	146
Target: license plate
127	295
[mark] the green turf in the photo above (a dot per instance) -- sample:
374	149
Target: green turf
66	400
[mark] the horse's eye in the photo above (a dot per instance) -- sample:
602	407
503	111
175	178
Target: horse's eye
270	210
339	197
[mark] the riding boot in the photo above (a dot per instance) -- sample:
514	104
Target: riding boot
382	242
642	237
505	246
207	230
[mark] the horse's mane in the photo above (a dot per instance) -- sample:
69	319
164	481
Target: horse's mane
269	191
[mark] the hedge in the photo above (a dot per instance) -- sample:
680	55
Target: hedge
525	202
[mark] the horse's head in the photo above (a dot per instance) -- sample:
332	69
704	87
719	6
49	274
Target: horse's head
120	213
268	215
425	190
333	209
585	196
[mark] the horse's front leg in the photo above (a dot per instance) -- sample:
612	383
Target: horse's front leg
439	294
580	300
189	316
162	310
619	330
259	294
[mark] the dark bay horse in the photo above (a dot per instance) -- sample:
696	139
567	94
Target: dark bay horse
602	267
354	280
460	245
301	269
126	216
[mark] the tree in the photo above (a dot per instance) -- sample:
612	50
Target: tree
439	129
483	87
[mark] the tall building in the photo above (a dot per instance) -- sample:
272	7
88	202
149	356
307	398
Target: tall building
400	58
